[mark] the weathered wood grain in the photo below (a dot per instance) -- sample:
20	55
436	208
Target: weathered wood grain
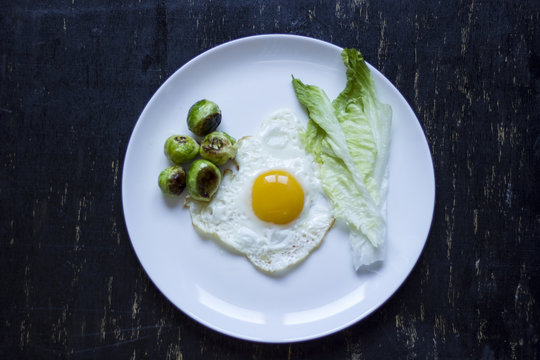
74	78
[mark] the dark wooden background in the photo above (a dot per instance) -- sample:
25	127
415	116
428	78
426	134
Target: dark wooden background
75	75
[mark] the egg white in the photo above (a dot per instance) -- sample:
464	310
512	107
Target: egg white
230	217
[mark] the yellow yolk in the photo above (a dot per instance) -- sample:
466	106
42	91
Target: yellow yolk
277	197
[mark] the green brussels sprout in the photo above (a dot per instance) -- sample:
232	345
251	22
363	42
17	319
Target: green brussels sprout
172	180
203	180
218	147
203	117
181	148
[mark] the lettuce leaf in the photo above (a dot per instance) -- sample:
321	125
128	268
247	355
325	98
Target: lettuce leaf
350	139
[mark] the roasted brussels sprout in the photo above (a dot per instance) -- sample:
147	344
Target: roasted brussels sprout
218	147
203	180
203	117
172	180
181	148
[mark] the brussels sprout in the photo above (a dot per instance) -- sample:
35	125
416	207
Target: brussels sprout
203	180
181	148
218	147
203	117
172	180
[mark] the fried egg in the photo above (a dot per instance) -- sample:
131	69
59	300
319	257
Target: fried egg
271	208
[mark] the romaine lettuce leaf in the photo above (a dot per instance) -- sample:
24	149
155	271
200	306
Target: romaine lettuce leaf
350	139
365	120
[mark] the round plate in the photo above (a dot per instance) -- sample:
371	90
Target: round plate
250	78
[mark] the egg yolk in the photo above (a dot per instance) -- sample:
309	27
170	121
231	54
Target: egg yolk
277	197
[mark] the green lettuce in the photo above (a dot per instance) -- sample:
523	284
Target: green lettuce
350	139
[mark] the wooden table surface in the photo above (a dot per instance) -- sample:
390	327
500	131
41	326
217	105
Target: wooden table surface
75	76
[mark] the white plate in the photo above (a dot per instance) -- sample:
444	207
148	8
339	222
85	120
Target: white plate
250	78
